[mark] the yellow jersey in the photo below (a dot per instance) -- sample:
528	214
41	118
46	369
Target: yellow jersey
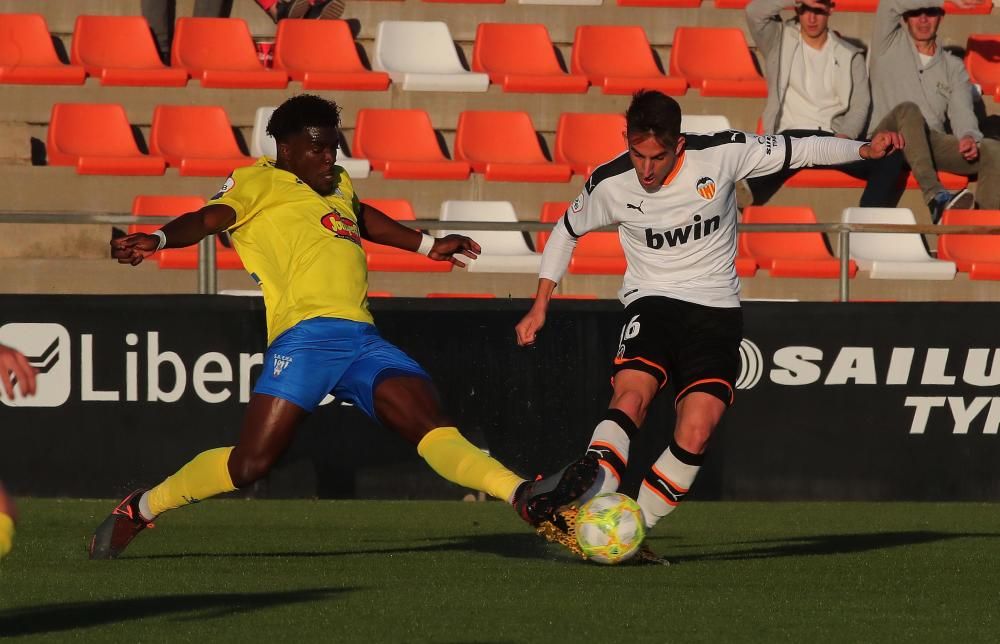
303	249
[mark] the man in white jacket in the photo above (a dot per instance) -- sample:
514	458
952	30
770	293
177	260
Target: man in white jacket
817	86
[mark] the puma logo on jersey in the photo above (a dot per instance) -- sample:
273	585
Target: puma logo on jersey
705	188
632	206
682	234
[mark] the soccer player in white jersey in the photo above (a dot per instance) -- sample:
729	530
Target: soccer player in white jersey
672	198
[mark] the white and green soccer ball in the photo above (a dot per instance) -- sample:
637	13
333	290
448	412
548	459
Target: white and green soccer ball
610	528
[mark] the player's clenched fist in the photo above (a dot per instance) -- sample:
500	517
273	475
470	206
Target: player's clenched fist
132	249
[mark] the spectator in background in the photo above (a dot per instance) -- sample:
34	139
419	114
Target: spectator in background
160	14
15	371
817	86
924	93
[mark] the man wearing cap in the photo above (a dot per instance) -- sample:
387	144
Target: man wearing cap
817	86
919	89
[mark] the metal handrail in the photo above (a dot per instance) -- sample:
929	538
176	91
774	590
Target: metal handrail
208	278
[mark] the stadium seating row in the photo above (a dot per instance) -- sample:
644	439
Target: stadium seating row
417	55
401	144
889	256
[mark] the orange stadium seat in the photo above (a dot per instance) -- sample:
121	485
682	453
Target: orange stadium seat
521	58
322	54
984	7
198	140
867	6
586	140
174	205
674	4
463	296
402	144
982	59
220	53
977	255
746	266
504	147
788	254
716	60
731	4
97	139
389	258
948	180
120	51
28	56
619	60
596	253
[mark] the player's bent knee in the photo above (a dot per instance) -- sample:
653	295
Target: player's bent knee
246	470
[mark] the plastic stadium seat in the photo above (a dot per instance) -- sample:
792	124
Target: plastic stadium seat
674	4
462	296
322	54
196	139
503	251
834	178
584	141
977	255
97	139
120	51
552	211
389	258
504	147
28	56
867	6
789	254
948	180
982	59
704	123
746	266
731	4
982	8
402	144
421	56
175	205
716	60
521	58
620	60
893	255
596	253
261	144
220	53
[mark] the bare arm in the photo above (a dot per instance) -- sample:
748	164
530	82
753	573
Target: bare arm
380	228
186	230
555	259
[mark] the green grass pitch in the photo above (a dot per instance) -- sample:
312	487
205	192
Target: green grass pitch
422	571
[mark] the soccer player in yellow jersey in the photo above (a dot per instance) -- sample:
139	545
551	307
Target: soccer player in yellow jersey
15	371
297	224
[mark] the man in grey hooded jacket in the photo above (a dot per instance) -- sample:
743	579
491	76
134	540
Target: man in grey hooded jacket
924	93
817	86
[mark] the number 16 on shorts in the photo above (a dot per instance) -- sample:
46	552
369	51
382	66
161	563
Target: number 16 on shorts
629	331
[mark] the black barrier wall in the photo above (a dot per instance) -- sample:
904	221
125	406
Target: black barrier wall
836	401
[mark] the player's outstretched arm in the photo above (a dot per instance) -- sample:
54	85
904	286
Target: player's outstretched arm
533	321
186	230
378	227
13	362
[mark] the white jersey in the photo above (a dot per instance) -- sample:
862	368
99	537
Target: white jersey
680	241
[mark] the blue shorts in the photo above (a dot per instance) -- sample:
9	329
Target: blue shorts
323	356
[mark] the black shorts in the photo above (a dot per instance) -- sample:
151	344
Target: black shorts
693	347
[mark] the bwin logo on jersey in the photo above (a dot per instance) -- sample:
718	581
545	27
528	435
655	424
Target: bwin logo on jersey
47	347
280	363
682	234
705	188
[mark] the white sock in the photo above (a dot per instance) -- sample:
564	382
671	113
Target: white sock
667	482
610	443
144	510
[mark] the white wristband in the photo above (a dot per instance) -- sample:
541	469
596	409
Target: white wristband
426	244
163	239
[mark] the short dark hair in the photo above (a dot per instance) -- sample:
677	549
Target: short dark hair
300	112
653	112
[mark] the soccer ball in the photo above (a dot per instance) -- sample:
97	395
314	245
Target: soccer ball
610	528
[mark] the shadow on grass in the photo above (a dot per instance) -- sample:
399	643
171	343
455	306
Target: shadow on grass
50	618
827	544
516	546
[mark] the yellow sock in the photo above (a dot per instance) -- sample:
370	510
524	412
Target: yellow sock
206	475
459	461
6	534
